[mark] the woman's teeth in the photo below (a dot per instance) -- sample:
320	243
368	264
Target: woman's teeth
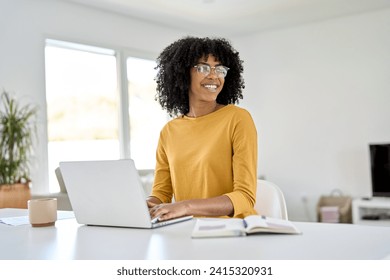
213	87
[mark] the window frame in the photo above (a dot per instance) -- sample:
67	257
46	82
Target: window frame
121	55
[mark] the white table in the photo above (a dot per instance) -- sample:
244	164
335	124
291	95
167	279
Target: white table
69	240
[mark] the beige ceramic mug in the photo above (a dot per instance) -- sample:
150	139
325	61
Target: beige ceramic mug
42	212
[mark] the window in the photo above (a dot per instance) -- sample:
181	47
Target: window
86	119
146	116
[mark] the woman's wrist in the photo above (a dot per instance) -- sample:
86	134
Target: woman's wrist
153	199
218	206
186	206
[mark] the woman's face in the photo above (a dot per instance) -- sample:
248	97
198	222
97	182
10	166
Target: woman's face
205	87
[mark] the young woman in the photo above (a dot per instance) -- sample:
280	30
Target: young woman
207	155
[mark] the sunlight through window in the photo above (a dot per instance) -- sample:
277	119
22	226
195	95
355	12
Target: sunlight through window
82	105
84	111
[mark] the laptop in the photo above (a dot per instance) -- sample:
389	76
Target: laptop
108	193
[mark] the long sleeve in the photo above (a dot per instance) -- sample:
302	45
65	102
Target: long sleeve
207	157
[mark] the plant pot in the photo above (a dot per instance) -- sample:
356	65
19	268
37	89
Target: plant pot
14	195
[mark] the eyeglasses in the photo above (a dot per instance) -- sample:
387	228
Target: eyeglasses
205	69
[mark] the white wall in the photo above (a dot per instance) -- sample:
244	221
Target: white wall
319	93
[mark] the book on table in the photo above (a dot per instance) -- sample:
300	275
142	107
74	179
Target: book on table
209	227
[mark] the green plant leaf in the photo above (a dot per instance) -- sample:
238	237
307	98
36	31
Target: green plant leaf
17	132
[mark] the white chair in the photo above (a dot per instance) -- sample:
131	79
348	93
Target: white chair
270	200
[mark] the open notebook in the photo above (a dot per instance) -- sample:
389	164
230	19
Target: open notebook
240	227
108	193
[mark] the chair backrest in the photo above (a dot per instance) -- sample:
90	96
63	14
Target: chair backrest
270	200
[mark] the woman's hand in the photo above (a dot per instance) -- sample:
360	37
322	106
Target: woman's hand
212	207
167	211
152	201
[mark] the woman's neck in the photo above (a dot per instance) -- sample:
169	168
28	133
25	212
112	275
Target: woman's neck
203	109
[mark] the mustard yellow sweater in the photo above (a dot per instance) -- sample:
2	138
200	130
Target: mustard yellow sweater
209	156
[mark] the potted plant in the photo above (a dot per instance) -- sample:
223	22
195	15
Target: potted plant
17	132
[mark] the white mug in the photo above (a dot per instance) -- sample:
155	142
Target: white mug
42	212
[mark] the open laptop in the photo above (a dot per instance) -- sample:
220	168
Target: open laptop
108	193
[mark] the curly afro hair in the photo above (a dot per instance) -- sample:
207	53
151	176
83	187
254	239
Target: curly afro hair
176	60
